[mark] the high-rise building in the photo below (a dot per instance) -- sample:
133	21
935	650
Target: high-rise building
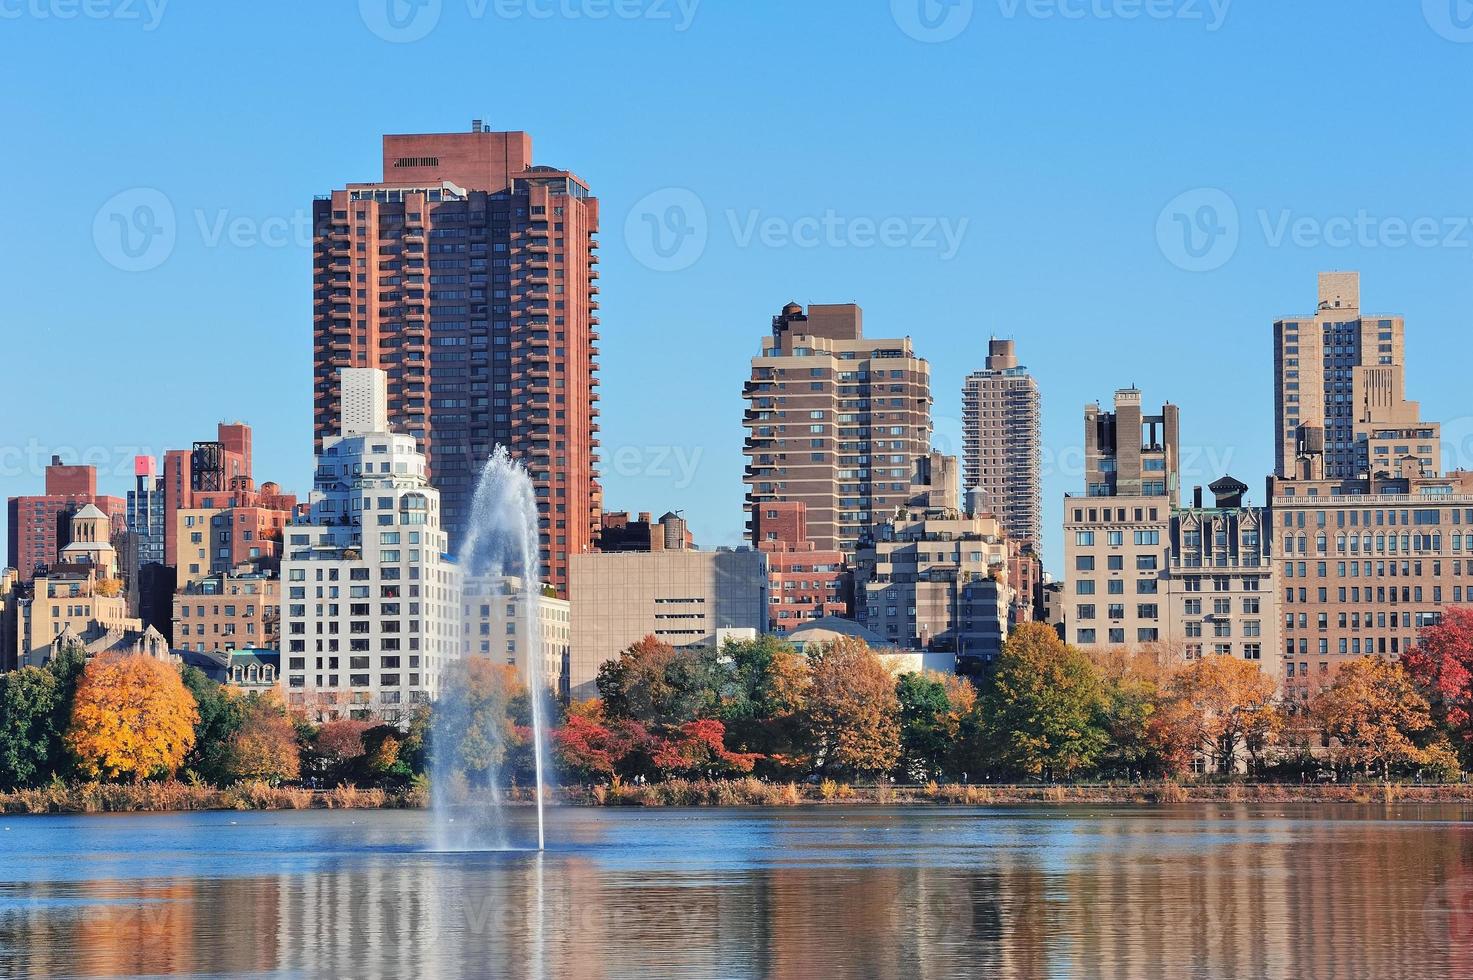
834	421
935	576
205	476
1339	388
1116	537
1002	441
146	512
371	606
493	627
470	276
40	526
228	612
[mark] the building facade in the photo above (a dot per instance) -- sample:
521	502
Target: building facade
470	276
622	531
1002	438
38	526
228	612
683	598
204	476
803	583
1221	585
145	512
933	576
371	611
1339	388
494	626
834	421
1117	536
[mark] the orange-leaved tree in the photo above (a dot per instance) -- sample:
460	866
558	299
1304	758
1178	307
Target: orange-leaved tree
132	718
852	710
1222	704
1371	713
265	746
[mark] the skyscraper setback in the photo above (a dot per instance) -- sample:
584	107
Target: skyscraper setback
834	421
470	276
1002	441
1340	387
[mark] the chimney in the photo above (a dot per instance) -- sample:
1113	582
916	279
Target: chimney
1197	497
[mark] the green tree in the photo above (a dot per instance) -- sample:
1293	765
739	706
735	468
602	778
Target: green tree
1045	707
763	712
221	715
928	728
30	741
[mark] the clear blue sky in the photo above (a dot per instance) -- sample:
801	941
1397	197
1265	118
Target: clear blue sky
1055	141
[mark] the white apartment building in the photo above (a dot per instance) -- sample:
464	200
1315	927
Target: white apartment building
370	602
493	627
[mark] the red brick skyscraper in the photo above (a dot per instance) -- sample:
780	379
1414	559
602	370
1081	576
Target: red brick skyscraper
470	276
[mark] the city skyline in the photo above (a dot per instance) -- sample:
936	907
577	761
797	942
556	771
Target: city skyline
231	190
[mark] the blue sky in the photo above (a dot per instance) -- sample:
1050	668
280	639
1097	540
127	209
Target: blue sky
821	150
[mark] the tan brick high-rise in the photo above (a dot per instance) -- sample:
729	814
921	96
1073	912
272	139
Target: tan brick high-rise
1003	441
470	276
835	421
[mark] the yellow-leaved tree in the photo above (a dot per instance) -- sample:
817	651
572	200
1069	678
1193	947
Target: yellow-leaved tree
132	718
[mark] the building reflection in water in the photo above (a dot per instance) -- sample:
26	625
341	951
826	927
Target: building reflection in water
932	894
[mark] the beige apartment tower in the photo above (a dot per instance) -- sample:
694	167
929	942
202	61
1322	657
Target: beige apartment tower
1339	389
1002	441
834	421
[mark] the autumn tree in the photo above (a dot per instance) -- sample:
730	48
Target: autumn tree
132	718
475	727
698	748
265	746
1044	706
1221	706
852	710
1373	715
764	709
30	741
655	683
1441	664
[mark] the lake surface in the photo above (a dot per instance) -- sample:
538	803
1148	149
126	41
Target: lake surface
823	892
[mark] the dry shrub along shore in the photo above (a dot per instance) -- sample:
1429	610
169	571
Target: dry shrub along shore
173	797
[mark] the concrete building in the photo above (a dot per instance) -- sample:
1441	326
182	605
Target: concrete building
679	597
246	529
1339	388
371	615
933	576
228	612
1117	537
1003	441
803	583
470	276
75	605
834	421
1221	587
621	531
493	627
38	526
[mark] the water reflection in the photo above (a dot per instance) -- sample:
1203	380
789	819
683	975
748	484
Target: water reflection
1209	892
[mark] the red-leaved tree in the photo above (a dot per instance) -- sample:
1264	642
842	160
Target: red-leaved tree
698	748
1442	666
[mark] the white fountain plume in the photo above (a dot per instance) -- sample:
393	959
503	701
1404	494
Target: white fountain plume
502	546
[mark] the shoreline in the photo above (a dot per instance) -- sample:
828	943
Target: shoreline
175	797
